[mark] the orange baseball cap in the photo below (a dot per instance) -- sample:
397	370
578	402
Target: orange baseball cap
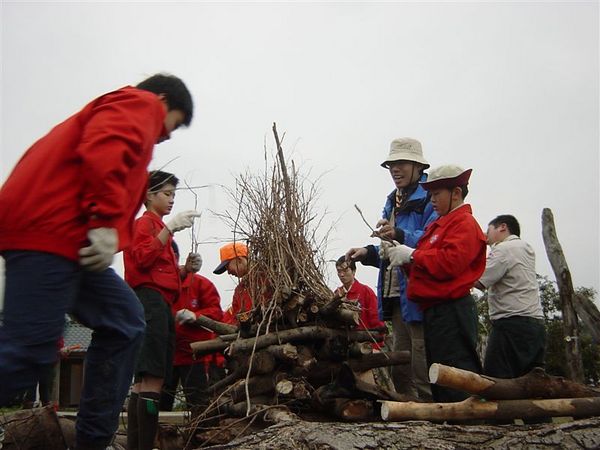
228	252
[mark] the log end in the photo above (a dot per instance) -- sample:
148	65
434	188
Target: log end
385	411
434	373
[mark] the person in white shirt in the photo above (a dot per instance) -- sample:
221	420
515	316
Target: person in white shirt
517	340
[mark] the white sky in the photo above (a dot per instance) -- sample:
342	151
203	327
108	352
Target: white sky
509	89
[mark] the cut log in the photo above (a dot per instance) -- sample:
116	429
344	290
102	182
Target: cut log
353	410
561	270
476	408
36	428
215	326
358	349
286	352
536	384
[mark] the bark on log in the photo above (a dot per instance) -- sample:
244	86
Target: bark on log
286	352
33	429
281	337
566	291
303	435
476	408
216	326
536	384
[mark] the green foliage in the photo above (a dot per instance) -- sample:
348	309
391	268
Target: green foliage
555	342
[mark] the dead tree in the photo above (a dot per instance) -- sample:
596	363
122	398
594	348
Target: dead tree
567	293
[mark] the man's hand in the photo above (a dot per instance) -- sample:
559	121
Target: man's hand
98	256
185	316
182	220
193	263
385	230
356	254
399	255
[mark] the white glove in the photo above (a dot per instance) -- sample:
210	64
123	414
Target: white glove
193	263
104	243
384	246
185	316
400	254
182	220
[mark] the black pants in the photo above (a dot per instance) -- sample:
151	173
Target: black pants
515	346
451	339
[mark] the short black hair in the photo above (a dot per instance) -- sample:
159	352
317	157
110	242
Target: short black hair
341	261
175	91
157	179
510	221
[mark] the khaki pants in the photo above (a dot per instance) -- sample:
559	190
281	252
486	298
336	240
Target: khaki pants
411	379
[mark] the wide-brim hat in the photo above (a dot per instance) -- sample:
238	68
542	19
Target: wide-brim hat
405	149
229	252
448	176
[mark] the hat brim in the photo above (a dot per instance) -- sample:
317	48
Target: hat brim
221	267
406	157
448	182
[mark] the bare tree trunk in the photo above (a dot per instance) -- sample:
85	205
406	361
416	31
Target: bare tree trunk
565	288
535	384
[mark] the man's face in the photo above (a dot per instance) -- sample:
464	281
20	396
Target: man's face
238	266
173	120
161	202
345	274
404	173
495	233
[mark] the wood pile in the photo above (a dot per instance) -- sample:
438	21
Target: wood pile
298	337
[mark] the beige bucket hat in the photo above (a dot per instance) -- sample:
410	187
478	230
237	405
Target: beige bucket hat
447	176
405	149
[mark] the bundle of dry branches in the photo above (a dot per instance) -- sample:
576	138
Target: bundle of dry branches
276	215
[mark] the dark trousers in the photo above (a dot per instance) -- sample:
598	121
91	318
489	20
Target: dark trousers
515	346
44	376
451	339
40	289
194	379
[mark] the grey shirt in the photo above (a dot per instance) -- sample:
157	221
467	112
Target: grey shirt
510	279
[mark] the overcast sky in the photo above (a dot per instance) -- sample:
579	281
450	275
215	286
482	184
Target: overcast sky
508	89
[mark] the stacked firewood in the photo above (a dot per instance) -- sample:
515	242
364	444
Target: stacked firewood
298	336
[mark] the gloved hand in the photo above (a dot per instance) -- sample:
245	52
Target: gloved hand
193	263
400	254
98	256
182	220
384	246
185	316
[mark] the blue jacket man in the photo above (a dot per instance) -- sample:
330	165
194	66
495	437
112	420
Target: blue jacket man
406	214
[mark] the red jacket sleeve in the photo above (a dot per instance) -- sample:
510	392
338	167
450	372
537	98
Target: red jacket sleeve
210	301
145	246
370	313
461	245
119	135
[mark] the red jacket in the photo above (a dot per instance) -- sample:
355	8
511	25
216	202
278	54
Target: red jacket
449	259
369	311
241	301
149	263
89	171
198	294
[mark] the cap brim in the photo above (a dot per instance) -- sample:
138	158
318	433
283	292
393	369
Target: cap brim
221	267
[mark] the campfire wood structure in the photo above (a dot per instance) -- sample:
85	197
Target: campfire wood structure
298	335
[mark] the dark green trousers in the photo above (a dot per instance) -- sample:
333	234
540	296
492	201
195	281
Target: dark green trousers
451	339
515	346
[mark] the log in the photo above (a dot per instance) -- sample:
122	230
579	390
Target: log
314	332
215	325
239	409
358	349
353	410
579	434
476	408
286	353
36	428
561	270
535	384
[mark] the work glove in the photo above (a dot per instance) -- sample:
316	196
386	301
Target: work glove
399	255
98	256
384	246
182	220
193	263
185	316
